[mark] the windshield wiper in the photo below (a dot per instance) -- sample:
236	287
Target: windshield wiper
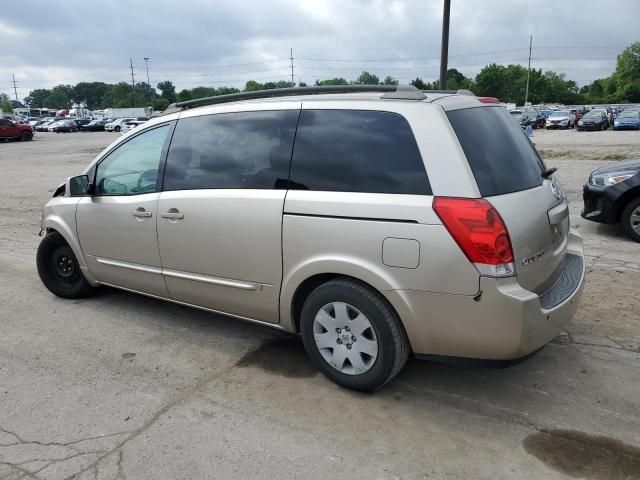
548	172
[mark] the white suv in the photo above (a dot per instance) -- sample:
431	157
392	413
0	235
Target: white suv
117	125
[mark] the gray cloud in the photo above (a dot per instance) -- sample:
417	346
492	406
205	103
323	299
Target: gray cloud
215	43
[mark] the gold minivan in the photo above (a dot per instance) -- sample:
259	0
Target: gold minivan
375	221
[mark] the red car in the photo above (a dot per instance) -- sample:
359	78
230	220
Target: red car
17	131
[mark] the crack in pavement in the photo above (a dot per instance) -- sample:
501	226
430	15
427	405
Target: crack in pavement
195	390
21	441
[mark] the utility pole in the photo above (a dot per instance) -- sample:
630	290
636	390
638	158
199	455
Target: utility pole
526	92
291	58
15	90
146	62
133	82
444	52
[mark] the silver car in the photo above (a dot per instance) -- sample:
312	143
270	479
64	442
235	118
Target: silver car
376	223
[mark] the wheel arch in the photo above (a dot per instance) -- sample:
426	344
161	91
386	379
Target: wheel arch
54	223
624	200
299	285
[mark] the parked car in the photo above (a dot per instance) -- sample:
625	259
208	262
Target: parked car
66	125
81	122
560	119
627	120
593	120
612	195
356	237
536	115
44	126
131	124
93	126
523	119
117	125
16	131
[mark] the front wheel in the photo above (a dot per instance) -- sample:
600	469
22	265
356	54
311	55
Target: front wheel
26	136
117	129
631	219
58	268
352	335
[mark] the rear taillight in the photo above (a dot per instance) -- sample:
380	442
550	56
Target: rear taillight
479	231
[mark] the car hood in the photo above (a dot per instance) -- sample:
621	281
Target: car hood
558	118
623	166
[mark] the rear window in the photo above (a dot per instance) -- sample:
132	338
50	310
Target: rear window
500	155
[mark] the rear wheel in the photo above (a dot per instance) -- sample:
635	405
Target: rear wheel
352	335
117	129
630	219
58	268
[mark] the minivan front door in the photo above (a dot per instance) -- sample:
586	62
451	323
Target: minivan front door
117	225
220	212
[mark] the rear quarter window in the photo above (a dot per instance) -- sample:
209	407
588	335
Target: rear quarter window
500	155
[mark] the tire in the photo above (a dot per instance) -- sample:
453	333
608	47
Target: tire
58	268
631	217
26	136
602	127
365	316
116	129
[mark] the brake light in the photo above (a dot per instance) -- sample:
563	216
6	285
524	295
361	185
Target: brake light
480	233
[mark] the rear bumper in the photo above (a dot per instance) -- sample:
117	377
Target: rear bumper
503	322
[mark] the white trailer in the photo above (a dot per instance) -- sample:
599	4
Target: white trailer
126	112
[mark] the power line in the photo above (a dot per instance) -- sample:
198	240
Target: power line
15	90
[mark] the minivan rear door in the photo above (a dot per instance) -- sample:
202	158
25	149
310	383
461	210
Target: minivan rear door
508	172
220	211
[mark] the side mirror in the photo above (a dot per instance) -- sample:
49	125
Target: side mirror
78	186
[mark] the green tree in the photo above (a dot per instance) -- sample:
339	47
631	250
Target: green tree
167	90
367	78
252	86
421	84
37	97
159	104
390	81
332	81
89	93
119	95
5	104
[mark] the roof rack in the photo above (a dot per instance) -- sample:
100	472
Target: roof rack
460	91
399	92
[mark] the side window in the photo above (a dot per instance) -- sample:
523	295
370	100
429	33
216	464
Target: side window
357	151
5	123
132	168
231	150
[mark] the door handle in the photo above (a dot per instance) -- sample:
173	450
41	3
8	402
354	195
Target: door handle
141	213
172	214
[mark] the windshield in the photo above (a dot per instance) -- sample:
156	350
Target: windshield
560	114
592	114
631	114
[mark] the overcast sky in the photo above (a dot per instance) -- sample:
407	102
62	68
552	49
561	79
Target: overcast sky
216	42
